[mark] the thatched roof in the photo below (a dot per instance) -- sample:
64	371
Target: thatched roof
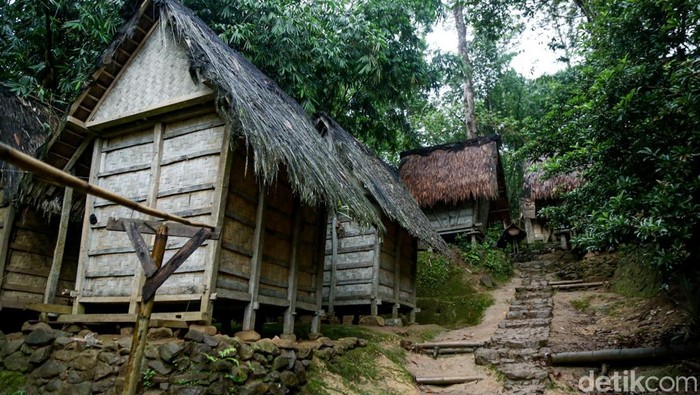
381	181
537	186
276	129
25	125
453	173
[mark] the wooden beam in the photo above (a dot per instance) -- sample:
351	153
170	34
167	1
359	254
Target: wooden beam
50	308
55	272
446	380
84	245
74	158
5	240
334	264
140	248
56	176
153	283
138	343
255	262
374	307
321	225
397	273
149	227
293	277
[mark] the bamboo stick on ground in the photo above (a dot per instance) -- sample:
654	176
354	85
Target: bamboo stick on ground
580	285
623	355
447	380
454	344
565	282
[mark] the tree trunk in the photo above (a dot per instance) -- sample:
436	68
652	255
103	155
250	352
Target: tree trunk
469	120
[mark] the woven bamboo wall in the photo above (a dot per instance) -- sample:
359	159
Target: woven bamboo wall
355	267
187	166
31	248
158	74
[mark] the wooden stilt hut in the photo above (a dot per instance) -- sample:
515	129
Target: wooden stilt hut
539	192
38	258
460	186
368	269
177	120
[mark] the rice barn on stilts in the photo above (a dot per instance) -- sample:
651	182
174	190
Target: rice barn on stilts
38	251
459	186
372	270
540	191
177	120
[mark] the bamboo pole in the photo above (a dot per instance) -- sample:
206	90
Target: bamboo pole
622	355
59	177
57	262
578	285
446	380
455	344
138	342
565	282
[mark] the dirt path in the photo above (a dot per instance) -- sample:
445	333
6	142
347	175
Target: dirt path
464	365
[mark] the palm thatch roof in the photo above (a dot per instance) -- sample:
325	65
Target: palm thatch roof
25	125
538	186
453	173
381	181
275	128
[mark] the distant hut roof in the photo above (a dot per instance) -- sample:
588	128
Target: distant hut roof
452	173
275	127
382	182
25	125
539	187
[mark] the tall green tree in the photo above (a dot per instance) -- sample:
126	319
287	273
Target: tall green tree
628	119
48	47
362	62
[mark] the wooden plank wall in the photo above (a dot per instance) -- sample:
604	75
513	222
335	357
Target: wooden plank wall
32	241
354	270
387	260
408	269
446	218
173	166
237	239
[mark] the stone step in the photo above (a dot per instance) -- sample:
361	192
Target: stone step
530	307
498	356
525	323
533	295
523	371
532	288
525	314
532	301
525	389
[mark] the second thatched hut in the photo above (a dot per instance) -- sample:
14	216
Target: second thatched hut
370	269
460	186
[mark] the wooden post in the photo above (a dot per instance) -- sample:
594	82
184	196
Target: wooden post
5	240
322	224
255	263
52	280
293	277
138	342
374	307
334	265
151	201
397	273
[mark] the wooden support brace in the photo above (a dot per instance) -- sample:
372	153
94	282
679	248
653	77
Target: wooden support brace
140	247
149	228
138	343
55	272
293	278
255	263
152	284
334	265
5	240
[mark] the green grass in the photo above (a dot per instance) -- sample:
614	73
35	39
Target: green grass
583	305
454	311
11	382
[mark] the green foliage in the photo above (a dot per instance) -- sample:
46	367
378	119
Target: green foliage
363	63
453	311
435	274
147	378
49	47
12	382
582	304
628	119
485	256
